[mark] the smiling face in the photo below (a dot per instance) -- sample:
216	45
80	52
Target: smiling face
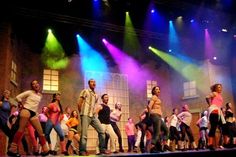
105	99
75	114
35	85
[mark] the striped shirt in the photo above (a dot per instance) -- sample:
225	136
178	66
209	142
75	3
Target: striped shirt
90	100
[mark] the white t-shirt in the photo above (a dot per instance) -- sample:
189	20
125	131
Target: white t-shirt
63	124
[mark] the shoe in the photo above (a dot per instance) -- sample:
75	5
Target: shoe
115	152
166	148
135	150
103	152
74	152
83	154
121	151
13	154
154	150
65	153
36	153
211	147
45	153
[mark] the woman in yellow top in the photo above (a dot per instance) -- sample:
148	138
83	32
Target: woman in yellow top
72	123
155	111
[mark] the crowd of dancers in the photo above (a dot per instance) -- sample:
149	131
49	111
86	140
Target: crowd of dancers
153	133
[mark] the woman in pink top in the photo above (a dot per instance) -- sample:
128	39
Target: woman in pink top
28	114
216	117
54	113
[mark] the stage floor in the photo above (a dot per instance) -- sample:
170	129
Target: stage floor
194	153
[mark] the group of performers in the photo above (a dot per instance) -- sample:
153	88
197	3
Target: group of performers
152	134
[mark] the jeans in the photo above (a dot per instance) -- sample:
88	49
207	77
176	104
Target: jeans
131	142
95	123
158	125
57	127
117	131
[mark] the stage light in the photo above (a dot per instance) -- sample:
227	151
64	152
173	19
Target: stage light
170	50
127	13
49	31
170	21
180	17
149	47
77	35
152	11
104	41
192	20
224	30
215	58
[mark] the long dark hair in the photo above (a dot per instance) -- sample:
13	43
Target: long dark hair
213	87
72	114
153	90
54	100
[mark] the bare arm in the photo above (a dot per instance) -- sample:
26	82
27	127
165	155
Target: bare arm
209	97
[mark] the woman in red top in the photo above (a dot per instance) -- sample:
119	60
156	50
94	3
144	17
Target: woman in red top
54	113
216	117
72	123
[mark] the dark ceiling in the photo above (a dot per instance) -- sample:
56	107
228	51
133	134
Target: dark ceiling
33	17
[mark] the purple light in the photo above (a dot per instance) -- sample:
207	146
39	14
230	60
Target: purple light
234	35
152	11
104	41
215	58
209	46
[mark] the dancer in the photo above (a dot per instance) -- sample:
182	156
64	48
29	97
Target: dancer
154	108
174	134
29	114
230	126
216	117
54	113
115	117
5	111
130	132
202	123
186	118
72	123
86	105
104	117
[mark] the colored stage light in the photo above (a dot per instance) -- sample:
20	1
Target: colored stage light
53	55
152	11
192	20
127	13
224	30
170	50
215	58
104	41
